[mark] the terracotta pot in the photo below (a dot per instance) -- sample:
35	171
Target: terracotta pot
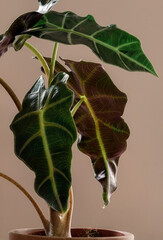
77	234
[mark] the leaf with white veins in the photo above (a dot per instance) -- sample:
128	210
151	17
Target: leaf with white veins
110	44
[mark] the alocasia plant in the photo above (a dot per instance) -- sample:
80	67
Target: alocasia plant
82	99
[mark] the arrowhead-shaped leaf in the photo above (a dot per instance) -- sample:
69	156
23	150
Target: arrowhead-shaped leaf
103	133
46	5
44	133
110	44
21	24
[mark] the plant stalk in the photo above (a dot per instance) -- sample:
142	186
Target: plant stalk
60	224
52	64
45	222
40	58
76	107
11	93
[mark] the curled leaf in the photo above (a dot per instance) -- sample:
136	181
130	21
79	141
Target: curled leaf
21	24
20	41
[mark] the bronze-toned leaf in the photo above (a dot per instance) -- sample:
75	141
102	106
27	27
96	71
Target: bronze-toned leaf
103	133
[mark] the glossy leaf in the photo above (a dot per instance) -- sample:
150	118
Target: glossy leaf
44	133
46	5
110	44
103	133
21	24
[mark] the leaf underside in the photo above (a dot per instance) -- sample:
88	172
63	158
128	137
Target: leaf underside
110	44
44	133
103	133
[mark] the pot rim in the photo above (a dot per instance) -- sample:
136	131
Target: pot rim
28	231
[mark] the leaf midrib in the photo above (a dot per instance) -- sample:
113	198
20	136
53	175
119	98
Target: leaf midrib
49	159
101	145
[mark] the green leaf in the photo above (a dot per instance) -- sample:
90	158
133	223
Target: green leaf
21	24
110	44
44	133
46	5
20	41
103	132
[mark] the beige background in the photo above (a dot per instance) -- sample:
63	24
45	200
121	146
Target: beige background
137	204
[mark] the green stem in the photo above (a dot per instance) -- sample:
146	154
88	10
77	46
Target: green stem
45	222
11	93
77	106
52	64
40	58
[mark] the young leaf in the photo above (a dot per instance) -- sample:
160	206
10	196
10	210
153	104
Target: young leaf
21	24
110	44
46	5
44	133
103	133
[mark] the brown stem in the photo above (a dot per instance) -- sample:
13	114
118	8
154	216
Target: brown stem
11	93
55	223
45	222
68	214
60	224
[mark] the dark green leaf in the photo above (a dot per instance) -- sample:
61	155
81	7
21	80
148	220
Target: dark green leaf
19	41
110	44
46	5
44	133
21	24
103	133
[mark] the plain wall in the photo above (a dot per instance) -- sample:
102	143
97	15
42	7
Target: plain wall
137	205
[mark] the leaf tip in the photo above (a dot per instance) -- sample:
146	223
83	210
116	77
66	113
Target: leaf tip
155	74
61	77
152	71
106	199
